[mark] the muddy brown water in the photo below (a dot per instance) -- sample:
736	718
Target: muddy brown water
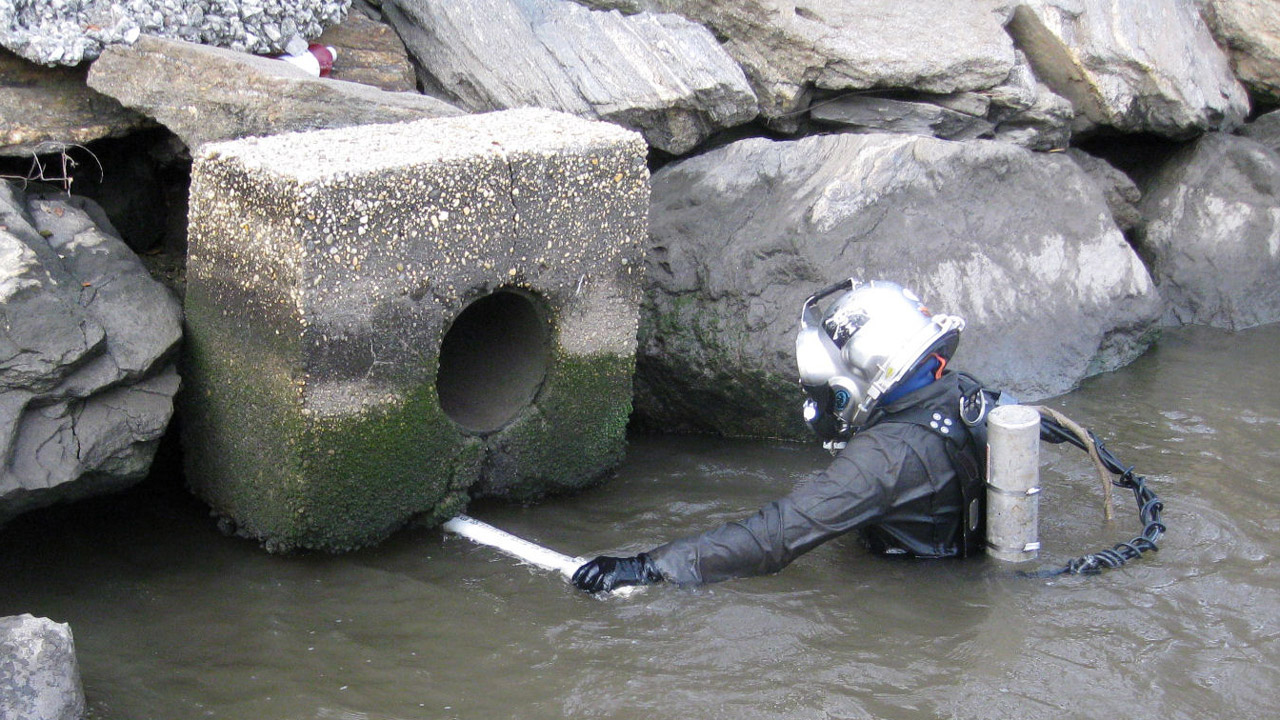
174	621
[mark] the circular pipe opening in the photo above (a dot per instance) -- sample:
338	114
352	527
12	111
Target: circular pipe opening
492	361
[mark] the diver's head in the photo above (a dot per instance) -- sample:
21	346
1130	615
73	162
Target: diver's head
871	339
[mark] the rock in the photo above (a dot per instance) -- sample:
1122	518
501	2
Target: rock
789	49
426	312
1153	68
1122	193
69	33
44	110
86	354
874	114
658	74
1021	244
206	94
1250	31
1212	237
369	52
39	673
1266	130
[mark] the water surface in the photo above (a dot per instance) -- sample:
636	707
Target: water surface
174	621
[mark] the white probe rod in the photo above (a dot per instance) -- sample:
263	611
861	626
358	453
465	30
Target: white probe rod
518	547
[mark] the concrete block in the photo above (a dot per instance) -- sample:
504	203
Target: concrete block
384	320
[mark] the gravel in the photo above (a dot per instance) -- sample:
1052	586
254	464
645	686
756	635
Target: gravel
68	32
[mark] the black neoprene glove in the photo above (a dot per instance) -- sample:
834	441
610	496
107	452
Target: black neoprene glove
607	573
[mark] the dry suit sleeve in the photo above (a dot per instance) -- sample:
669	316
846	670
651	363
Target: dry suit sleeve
855	490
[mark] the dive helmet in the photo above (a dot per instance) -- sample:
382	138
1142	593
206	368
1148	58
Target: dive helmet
867	342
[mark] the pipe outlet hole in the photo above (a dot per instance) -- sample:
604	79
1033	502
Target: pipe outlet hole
493	361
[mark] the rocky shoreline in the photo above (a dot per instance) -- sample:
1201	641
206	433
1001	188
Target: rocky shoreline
1069	180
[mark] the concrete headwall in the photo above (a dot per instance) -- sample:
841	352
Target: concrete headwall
385	319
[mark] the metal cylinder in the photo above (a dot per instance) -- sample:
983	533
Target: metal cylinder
1013	483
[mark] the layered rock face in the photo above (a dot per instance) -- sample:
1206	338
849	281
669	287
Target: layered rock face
660	74
87	373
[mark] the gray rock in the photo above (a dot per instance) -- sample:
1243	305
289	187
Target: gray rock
789	49
1121	192
1152	68
87	375
1265	129
873	114
69	33
39	673
1212	237
206	94
1250	31
658	74
1021	244
44	110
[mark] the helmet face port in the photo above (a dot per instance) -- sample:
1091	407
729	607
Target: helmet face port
493	360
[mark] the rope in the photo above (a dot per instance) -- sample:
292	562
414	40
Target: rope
1150	507
1083	435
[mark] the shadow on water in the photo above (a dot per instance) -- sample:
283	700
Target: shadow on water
172	620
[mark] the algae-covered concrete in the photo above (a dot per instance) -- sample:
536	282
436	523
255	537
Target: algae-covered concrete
328	270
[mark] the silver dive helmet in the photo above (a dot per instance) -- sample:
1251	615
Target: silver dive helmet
866	343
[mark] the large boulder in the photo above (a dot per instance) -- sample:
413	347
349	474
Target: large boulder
207	94
39	673
1153	67
87	375
44	110
1250	30
790	49
658	74
1021	244
1212	237
69	33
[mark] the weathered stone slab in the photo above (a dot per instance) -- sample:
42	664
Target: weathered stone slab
69	33
1212	237
1152	66
661	75
87	374
386	317
206	94
43	110
1250	31
1021	244
788	49
39	673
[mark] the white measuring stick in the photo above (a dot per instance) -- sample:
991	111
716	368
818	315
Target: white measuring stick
532	553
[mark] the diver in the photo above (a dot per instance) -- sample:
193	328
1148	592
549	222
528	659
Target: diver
909	438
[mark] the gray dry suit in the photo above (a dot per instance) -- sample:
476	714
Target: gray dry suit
895	482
